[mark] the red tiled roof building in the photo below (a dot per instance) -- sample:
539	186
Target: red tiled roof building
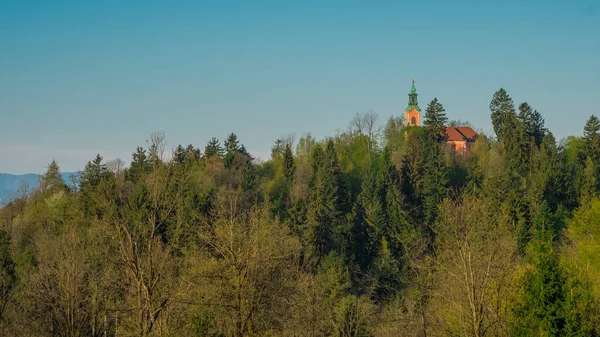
461	138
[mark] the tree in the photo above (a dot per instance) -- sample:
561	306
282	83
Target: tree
248	273
232	147
52	180
591	137
8	276
140	165
393	133
413	176
474	263
435	117
500	106
213	149
288	163
533	123
540	307
324	200
436	173
91	177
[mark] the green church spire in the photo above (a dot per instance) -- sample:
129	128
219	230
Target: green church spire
412	99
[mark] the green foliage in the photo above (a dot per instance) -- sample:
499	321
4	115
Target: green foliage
533	123
370	232
213	149
8	276
435	117
501	106
52	180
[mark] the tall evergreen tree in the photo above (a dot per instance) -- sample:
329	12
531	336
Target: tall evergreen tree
324	200
413	176
435	117
140	165
436	173
591	137
541	310
533	123
500	106
213	149
288	163
232	147
52	179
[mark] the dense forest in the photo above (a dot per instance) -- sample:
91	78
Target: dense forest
376	231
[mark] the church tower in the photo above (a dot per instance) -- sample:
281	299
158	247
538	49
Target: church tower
412	112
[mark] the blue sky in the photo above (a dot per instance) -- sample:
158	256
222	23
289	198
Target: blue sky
84	77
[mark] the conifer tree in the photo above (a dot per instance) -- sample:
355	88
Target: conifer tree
500	106
52	179
435	117
288	163
413	172
213	149
541	310
533	122
591	136
324	199
140	165
231	149
436	173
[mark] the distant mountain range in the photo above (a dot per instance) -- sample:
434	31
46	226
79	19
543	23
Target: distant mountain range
10	183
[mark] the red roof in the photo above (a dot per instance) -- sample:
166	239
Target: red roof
460	133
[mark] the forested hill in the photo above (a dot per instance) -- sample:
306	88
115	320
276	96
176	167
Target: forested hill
371	232
11	183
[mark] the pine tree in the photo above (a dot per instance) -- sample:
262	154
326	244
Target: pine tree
541	310
179	154
413	176
52	179
213	149
288	163
192	154
324	200
90	179
516	146
436	173
589	183
533	123
591	137
231	149
500	106
435	117
140	165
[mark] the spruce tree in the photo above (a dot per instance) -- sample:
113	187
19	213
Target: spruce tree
288	163
591	137
413	176
213	149
435	117
541	310
533	123
436	173
231	149
140	165
500	106
324	200
52	179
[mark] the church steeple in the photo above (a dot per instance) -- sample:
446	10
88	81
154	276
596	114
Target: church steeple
413	112
413	104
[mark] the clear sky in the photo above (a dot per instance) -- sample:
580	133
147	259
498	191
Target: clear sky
84	77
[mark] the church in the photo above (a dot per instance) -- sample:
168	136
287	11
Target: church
460	138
